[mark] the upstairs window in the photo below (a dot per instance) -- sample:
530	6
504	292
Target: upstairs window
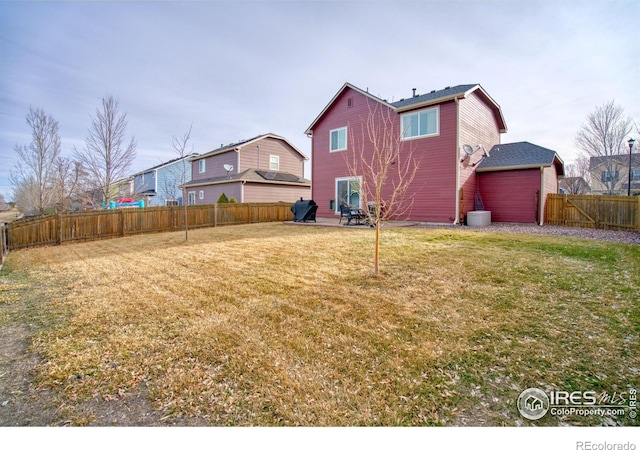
202	165
635	174
274	162
606	176
338	139
420	124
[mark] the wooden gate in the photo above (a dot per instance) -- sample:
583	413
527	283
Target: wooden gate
593	211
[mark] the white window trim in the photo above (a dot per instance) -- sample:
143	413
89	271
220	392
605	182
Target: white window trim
202	166
274	160
421	136
346	139
191	198
201	195
335	191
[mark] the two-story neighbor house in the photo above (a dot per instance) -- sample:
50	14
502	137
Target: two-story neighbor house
160	185
449	132
610	174
265	168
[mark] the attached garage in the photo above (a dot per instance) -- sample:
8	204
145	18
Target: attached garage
514	180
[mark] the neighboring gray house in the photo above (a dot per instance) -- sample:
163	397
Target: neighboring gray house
160	185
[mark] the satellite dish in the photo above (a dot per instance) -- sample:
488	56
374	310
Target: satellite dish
228	167
468	151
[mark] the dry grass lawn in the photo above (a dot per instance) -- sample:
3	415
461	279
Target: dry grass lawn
269	324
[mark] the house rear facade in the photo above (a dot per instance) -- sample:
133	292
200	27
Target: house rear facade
265	168
449	132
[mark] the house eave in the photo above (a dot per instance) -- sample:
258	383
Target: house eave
518	167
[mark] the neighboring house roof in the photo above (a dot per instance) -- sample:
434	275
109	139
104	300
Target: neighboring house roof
621	159
518	155
572	184
240	144
418	101
164	164
256	176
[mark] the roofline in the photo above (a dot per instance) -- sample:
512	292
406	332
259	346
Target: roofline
344	86
240	180
257	138
168	163
465	94
527	166
503	125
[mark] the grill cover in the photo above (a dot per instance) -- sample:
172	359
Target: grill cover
304	210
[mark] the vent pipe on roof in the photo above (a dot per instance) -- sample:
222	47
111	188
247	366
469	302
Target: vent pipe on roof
414	91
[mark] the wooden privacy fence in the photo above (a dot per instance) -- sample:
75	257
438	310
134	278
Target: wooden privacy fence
593	211
92	225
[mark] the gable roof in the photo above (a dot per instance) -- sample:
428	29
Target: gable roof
164	164
621	159
240	144
256	176
418	101
519	155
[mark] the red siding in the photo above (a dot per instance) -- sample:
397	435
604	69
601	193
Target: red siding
510	195
433	190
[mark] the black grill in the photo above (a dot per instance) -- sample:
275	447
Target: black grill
304	210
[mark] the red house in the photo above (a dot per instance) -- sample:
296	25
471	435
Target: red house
448	132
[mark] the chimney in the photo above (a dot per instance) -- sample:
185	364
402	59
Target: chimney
414	92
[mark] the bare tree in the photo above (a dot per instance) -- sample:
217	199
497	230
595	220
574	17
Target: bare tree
105	156
70	180
576	180
35	170
180	144
603	136
385	165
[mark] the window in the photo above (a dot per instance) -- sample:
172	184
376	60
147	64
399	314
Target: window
192	198
606	176
202	165
420	124
274	162
338	139
635	174
171	203
347	193
201	195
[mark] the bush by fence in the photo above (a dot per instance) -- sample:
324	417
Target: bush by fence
92	225
593	211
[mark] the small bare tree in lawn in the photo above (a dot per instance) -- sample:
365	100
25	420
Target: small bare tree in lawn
180	144
603	135
386	167
105	156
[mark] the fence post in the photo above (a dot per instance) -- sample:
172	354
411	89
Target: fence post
122	222
638	214
59	229
215	215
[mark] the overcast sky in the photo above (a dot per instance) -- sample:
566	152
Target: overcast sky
239	69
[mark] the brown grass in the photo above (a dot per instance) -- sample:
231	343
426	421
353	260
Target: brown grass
268	324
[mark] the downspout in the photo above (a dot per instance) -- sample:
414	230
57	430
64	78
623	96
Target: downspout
242	183
258	156
456	220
